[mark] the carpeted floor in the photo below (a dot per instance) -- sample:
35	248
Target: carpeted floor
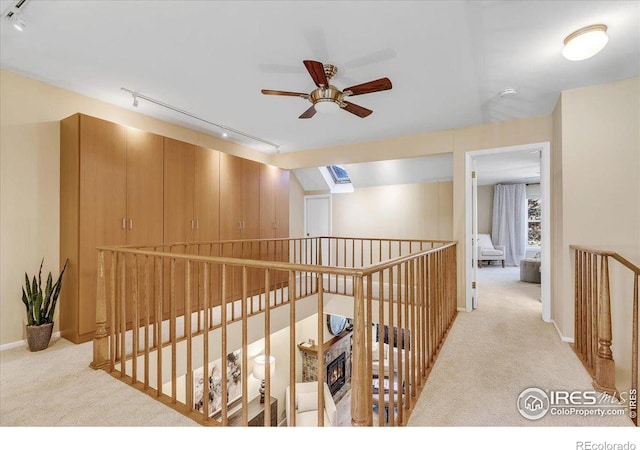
492	354
56	387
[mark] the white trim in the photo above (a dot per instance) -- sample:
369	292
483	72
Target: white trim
460	309
562	338
545	187
22	343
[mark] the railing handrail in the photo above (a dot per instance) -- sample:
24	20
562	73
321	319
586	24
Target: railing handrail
621	259
259	264
401	259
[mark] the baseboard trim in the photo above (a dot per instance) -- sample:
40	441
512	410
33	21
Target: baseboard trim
462	309
562	338
22	343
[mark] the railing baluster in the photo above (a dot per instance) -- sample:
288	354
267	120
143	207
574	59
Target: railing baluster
135	323
101	338
187	325
633	408
158	272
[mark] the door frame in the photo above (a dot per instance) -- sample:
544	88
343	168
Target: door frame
545	250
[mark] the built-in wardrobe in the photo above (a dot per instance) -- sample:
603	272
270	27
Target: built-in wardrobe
123	186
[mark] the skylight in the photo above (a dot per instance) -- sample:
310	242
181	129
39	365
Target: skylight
339	175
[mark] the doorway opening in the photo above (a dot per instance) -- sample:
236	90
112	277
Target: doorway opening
524	165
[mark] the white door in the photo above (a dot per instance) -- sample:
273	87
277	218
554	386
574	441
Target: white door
317	221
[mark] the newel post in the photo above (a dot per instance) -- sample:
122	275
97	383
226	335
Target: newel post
605	379
359	413
101	338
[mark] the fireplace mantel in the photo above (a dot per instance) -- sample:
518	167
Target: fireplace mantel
313	349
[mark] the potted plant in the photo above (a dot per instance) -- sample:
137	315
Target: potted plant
40	308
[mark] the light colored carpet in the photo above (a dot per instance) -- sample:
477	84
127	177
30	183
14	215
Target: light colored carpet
56	387
492	354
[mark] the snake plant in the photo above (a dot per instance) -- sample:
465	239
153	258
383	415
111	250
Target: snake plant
41	305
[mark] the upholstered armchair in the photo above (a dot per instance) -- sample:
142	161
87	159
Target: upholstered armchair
306	406
487	251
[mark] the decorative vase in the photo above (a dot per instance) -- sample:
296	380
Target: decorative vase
38	336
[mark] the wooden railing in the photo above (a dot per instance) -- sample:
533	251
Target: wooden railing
167	313
593	330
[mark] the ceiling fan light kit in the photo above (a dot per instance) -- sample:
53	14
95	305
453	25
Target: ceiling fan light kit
585	42
327	98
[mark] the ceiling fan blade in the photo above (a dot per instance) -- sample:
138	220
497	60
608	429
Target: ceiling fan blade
381	84
290	94
355	109
316	70
309	113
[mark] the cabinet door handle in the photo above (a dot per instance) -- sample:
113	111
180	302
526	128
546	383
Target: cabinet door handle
197	224
192	224
124	223
131	224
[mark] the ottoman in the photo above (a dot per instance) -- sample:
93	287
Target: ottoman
530	270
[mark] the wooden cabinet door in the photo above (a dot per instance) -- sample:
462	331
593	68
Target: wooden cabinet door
145	206
250	199
231	170
206	210
268	181
251	221
178	215
102	206
144	187
282	221
282	204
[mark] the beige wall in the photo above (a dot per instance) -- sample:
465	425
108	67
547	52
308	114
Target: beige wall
601	194
456	141
485	208
414	211
30	112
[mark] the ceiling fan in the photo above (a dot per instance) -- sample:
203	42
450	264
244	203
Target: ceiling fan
327	96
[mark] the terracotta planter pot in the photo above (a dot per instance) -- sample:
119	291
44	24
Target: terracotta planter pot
38	336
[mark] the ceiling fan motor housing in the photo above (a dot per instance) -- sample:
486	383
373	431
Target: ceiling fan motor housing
331	94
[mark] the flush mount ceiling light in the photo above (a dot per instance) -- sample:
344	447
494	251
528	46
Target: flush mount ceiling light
508	92
585	42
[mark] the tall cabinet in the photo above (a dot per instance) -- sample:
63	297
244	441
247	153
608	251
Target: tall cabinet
191	212
111	194
239	217
120	185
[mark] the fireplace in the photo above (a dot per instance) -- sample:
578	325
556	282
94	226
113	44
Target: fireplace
336	373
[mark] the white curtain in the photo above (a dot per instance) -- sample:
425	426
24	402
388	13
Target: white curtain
509	227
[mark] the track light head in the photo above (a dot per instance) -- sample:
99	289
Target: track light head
135	100
18	22
225	134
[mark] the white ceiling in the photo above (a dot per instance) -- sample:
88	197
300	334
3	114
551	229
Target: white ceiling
506	168
447	60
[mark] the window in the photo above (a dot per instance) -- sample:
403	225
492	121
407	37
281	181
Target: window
339	175
533	222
